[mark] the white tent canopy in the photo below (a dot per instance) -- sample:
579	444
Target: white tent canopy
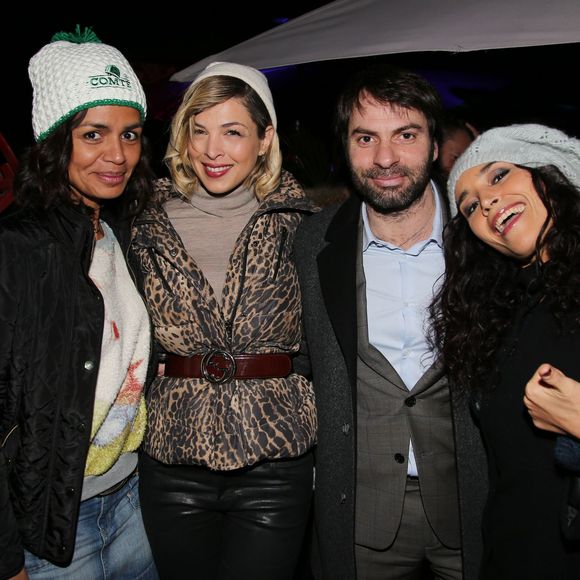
357	28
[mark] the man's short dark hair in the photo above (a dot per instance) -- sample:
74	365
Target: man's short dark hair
389	86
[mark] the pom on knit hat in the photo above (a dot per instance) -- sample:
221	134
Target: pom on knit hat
76	71
527	145
249	75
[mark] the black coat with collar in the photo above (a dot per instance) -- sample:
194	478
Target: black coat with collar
325	252
51	328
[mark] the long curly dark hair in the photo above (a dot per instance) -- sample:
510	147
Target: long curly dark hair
42	178
476	302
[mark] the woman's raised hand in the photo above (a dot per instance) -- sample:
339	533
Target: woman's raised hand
553	401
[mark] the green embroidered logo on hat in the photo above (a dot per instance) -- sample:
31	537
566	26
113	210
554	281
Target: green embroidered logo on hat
113	70
111	78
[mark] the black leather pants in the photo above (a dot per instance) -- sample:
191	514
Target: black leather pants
247	524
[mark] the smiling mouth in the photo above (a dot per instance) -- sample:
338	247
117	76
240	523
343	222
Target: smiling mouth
216	171
505	216
112	178
387	178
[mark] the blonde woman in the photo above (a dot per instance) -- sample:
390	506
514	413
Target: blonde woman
227	467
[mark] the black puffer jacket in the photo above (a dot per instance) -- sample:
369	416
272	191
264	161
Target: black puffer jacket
51	325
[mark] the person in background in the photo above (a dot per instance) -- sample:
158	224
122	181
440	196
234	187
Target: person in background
74	331
227	469
507	318
386	500
456	136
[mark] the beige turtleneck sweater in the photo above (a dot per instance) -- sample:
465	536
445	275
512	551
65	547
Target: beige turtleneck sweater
209	226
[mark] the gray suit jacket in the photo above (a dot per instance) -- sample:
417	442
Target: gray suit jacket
325	253
388	416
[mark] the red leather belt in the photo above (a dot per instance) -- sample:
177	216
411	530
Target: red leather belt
220	366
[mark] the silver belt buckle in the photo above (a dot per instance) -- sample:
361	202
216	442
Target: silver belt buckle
218	366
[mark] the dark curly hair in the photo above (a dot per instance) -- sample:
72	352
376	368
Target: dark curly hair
473	308
41	181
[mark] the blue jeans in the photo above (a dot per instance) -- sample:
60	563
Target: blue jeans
110	543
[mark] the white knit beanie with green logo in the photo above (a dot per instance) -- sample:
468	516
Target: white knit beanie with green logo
76	72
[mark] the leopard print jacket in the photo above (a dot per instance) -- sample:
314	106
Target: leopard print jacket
238	423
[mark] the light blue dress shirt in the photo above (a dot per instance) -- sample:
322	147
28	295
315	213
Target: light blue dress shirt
400	285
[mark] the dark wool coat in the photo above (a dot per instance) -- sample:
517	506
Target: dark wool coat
325	253
528	492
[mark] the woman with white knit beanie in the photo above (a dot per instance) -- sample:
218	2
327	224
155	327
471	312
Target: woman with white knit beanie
508	322
74	332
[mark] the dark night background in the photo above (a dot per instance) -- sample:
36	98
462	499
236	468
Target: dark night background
487	87
156	44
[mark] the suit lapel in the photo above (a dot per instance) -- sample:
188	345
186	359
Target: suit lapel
369	354
337	264
337	267
432	375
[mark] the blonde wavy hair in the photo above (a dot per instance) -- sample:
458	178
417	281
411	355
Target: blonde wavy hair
211	91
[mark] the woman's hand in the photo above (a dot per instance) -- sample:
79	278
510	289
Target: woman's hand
22	575
553	401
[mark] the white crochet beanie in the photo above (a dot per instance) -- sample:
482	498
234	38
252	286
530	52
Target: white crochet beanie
76	72
249	75
527	145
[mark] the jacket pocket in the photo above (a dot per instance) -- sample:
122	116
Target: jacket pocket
158	271
279	252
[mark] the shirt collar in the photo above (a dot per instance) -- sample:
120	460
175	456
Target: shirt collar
436	236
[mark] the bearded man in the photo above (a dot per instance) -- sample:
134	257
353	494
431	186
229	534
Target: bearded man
391	445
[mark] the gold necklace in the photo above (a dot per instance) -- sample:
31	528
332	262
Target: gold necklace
97	229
